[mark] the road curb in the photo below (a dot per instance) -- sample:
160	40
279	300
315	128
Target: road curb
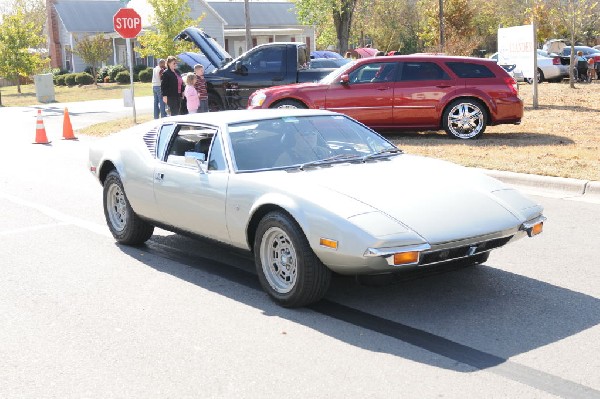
567	187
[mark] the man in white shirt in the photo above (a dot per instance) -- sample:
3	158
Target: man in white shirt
159	104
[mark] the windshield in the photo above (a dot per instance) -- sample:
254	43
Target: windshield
333	76
296	141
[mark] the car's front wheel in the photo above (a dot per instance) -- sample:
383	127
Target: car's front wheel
464	119
288	269
127	227
289	104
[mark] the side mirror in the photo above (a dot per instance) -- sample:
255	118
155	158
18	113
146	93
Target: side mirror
344	79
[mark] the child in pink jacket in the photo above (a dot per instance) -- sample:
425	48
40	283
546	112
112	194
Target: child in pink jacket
190	94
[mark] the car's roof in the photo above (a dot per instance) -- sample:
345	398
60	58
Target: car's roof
415	57
236	116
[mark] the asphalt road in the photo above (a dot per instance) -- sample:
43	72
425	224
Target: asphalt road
83	317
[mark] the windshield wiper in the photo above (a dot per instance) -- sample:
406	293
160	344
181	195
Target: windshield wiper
329	160
386	152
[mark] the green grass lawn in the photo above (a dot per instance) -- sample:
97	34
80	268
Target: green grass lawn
64	94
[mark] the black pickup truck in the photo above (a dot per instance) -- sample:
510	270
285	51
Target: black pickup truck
231	81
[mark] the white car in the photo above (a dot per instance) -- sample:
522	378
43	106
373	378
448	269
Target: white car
309	192
549	68
509	67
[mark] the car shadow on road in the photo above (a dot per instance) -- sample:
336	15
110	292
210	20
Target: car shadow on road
489	139
474	318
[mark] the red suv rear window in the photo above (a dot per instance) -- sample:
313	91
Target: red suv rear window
468	70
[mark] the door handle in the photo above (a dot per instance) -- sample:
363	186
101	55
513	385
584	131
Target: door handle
159	176
443	86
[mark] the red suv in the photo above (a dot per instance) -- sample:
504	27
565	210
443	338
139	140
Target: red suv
462	95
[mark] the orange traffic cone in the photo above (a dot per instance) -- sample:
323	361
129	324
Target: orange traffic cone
40	130
67	127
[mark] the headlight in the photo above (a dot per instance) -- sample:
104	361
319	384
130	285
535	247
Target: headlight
258	99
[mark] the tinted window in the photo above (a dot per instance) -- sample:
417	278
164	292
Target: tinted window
267	59
374	72
468	70
412	71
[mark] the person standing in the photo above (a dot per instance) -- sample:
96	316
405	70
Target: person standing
200	86
190	93
159	104
171	86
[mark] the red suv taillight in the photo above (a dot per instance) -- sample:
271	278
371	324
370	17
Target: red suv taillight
555	60
512	85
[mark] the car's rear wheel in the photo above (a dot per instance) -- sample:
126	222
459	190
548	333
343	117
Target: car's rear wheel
289	104
540	77
127	227
464	119
288	269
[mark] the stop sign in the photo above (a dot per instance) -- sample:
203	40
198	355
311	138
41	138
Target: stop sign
127	22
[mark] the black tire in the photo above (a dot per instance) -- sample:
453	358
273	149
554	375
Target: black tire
288	269
214	102
125	226
465	118
293	104
540	77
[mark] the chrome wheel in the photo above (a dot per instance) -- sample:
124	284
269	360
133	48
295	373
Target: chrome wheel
279	260
465	120
116	207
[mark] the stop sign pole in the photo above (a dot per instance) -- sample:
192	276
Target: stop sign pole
128	24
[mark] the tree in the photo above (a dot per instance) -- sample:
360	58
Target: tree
93	50
459	28
170	18
577	16
19	47
322	12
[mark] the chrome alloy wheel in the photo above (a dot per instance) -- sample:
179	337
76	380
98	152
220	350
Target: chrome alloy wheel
116	206
279	260
465	120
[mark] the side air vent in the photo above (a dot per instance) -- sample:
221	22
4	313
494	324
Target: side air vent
150	139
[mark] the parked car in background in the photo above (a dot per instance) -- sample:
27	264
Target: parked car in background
283	184
550	68
509	67
588	52
462	95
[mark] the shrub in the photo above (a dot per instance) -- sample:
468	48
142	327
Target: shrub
123	77
84	78
59	80
56	72
146	75
103	74
114	70
136	71
70	79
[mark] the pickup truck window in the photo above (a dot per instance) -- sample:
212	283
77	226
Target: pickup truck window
266	60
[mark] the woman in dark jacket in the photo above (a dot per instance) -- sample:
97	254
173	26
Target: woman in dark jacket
171	86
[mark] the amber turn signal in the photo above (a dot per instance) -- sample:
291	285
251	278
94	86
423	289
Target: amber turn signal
404	258
326	242
537	228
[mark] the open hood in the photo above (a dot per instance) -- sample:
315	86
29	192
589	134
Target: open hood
213	51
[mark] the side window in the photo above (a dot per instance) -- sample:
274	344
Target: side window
216	158
374	72
267	59
468	70
164	137
414	71
189	139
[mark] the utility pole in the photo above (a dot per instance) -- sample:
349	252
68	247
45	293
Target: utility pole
441	26
248	34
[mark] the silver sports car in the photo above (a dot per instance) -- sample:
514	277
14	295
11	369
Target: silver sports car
308	192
